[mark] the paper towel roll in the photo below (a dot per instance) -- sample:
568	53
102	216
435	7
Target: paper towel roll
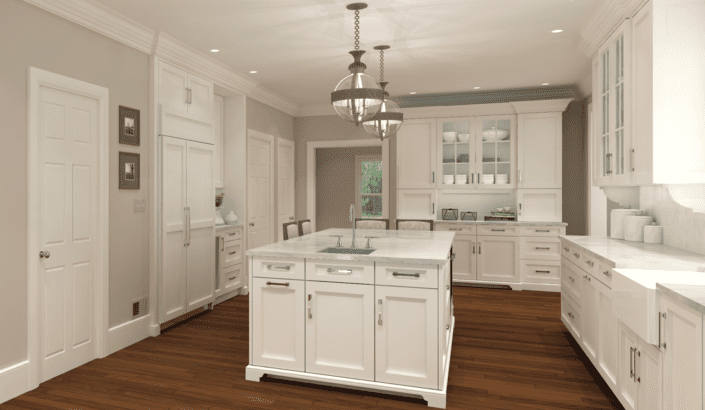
617	221
634	227
653	234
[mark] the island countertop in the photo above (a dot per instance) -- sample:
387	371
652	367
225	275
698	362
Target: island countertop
415	247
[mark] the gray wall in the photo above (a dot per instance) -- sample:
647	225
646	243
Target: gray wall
32	37
335	185
682	228
268	120
575	181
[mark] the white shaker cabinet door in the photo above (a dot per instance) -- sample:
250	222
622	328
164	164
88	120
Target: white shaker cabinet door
416	154
218	139
608	335
589	310
498	258
464	265
278	325
626	385
416	204
340	330
544	205
406	343
540	150
200	106
173	85
649	376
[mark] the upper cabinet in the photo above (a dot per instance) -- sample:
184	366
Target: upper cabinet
218	135
540	153
186	104
416	154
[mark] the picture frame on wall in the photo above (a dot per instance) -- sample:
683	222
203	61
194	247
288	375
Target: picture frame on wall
129	126
129	170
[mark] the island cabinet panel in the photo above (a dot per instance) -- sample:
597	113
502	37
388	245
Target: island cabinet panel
626	388
278	268
340	271
498	259
541	248
649	377
278	323
340	330
464	265
589	311
415	276
540	271
406	344
570	313
608	336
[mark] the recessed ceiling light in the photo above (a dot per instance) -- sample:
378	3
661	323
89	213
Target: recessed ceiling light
557	31
215	50
544	84
253	72
476	88
413	92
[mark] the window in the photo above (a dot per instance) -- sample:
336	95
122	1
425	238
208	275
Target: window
368	186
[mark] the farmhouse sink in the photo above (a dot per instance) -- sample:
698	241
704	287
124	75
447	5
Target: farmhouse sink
350	251
634	297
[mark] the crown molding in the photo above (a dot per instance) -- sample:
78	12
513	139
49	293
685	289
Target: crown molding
528	107
608	16
103	20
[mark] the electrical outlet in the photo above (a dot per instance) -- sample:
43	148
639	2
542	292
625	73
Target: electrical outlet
140	205
135	308
139	307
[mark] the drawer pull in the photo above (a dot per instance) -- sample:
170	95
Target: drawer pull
571	315
571	279
587	277
278	267
543	271
565	248
233	253
590	263
577	255
447	327
606	273
233	278
498	230
278	284
543	248
415	275
232	234
340	271
543	230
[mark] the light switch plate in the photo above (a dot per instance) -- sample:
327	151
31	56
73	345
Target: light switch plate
140	205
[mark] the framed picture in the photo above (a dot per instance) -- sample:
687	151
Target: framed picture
129	171
129	126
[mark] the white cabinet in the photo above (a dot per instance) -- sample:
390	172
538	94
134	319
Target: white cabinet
498	258
218	135
639	384
416	154
643	94
456	157
682	337
230	275
544	205
278	338
188	227
340	329
496	158
627	389
406	345
464	265
607	335
540	154
416	204
589	311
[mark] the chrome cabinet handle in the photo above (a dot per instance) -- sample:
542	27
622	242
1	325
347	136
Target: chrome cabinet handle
222	244
44	254
291	218
543	271
379	317
590	263
234	277
606	273
433	208
473	249
631	363
638	379
278	267
664	330
340	271
577	255
479	249
571	279
659	329
233	253
631	159
433	177
498	230
565	248
252	224
415	275
544	230
543	248
571	315
278	284
232	234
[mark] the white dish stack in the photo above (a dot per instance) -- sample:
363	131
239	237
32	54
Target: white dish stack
617	221
502	179
449	179
488	179
634	227
461	179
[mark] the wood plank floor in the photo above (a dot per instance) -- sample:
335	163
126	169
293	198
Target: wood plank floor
510	351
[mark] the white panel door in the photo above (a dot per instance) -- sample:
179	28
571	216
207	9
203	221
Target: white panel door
218	134
172	298
544	205
285	184
498	258
278	323
340	330
406	344
200	284
259	185
416	154
540	150
200	107
416	204
173	83
626	385
68	206
649	376
464	265
682	356
608	335
590	315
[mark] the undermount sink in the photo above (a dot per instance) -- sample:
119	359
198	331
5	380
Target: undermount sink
350	251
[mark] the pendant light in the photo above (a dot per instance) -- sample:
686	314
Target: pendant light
357	97
388	119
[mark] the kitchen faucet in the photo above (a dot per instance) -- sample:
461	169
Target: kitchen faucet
352	219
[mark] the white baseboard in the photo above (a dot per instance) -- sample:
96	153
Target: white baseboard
543	287
14	381
227	296
126	334
155	330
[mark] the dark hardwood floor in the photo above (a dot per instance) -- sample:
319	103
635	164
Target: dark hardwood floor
510	351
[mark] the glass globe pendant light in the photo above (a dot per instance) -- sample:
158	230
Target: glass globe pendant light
389	118
357	97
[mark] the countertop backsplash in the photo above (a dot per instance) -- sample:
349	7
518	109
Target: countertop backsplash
682	228
482	203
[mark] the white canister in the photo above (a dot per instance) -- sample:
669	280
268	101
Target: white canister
634	227
653	234
617	221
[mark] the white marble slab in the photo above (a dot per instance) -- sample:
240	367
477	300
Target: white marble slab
692	295
506	223
226	227
416	247
636	255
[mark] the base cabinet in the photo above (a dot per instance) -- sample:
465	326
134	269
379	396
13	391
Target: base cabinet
589	309
406	344
608	336
627	389
340	330
640	372
465	263
498	258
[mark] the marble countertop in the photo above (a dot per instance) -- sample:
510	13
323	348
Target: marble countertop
690	295
226	227
415	247
516	223
638	255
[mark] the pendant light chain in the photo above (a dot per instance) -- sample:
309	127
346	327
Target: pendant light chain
381	65
357	29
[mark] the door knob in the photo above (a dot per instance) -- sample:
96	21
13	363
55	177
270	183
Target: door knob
252	224
45	255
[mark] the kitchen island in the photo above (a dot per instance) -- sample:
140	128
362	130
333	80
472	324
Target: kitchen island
381	321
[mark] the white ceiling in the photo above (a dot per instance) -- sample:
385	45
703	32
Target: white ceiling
299	47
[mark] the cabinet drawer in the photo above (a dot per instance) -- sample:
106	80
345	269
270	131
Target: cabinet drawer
232	235
340	271
603	273
278	268
550	231
413	276
571	316
566	250
459	229
540	248
232	278
540	271
232	253
575	256
588	264
570	280
498	230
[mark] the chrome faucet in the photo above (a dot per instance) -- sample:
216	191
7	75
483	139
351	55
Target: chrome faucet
352	219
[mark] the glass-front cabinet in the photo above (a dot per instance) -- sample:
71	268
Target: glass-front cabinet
477	152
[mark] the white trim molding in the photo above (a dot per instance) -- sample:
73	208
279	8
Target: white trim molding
608	16
14	381
272	179
129	333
